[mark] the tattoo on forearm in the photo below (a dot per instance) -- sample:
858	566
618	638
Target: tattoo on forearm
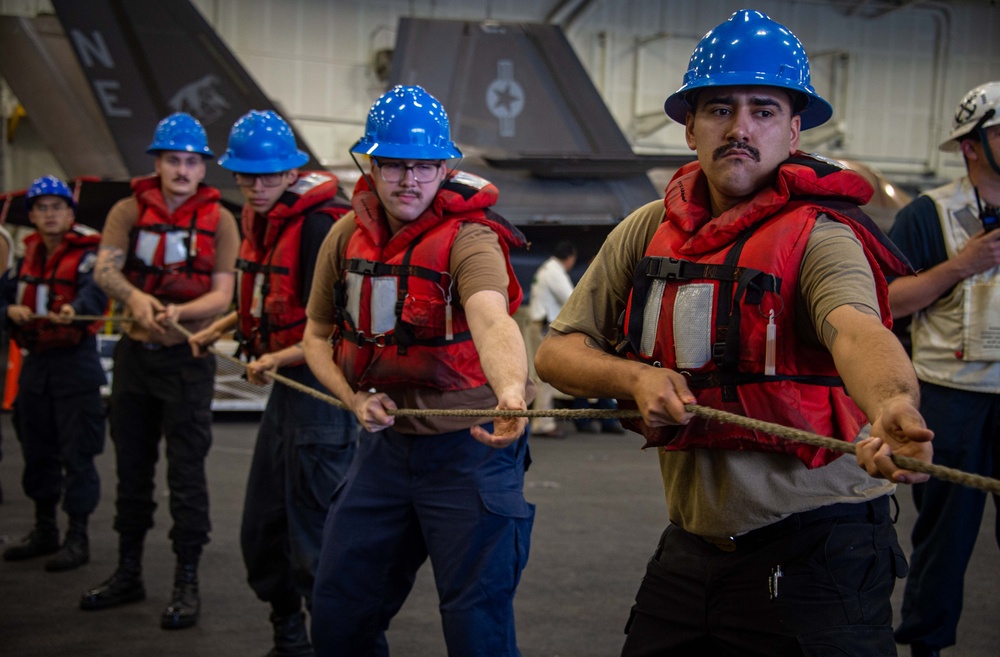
108	273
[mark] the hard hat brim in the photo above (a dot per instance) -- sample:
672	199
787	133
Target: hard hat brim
817	112
406	152
269	165
951	144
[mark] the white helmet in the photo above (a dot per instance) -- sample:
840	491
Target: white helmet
970	112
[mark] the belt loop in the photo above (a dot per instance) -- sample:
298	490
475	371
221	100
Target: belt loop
879	507
659	545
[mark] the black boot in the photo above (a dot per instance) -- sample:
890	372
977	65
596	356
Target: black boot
43	539
185	604
75	551
290	636
125	584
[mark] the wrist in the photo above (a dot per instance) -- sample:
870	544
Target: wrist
512	397
961	269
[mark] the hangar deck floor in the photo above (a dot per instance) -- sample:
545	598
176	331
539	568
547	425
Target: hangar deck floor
599	512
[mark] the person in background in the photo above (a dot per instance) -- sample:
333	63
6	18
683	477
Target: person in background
167	255
411	308
58	411
954	304
752	288
602	425
6	262
550	288
304	445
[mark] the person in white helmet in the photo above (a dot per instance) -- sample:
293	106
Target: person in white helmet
954	304
755	287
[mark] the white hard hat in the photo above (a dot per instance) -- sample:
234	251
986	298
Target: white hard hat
970	112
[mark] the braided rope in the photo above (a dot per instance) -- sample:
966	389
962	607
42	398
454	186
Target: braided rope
944	473
91	318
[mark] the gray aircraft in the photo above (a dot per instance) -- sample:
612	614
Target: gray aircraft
522	107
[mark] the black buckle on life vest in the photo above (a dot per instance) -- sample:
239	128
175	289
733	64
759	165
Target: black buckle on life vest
363	267
667	268
718	352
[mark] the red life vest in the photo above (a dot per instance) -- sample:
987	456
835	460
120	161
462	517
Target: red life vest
732	272
272	312
57	271
172	255
415	334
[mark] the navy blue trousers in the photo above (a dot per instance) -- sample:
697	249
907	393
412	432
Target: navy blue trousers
304	448
408	497
966	429
60	436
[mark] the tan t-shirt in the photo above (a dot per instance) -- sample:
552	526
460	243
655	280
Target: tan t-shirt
476	263
720	492
117	229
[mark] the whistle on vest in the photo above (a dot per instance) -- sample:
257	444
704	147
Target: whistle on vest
257	300
449	331
769	344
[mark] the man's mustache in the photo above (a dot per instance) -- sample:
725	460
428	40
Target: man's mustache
183	179
723	150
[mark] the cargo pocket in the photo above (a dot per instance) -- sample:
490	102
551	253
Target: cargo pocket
322	457
863	562
511	504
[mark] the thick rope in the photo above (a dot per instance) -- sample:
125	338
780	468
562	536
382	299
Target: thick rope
91	318
952	475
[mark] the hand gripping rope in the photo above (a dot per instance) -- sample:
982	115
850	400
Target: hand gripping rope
952	475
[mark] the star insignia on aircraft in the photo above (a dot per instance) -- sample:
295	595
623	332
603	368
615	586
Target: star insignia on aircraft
505	98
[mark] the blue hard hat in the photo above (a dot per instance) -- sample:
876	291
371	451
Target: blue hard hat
48	186
750	49
262	142
407	123
180	132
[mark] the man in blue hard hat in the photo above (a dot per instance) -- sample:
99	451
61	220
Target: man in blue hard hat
756	287
58	410
167	255
411	308
304	445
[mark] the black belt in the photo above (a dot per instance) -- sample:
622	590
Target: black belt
156	346
871	510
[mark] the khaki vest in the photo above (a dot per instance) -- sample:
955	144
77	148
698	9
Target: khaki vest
956	340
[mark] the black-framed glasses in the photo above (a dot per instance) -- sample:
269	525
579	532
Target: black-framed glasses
266	179
394	172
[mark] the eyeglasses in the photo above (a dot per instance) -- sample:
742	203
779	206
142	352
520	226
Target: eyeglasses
266	179
394	172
